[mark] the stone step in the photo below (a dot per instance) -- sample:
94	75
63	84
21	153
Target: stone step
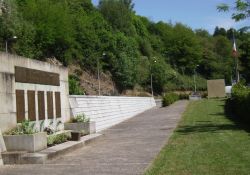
13	157
34	158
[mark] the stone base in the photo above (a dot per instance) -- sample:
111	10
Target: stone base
194	97
14	157
31	143
86	128
23	157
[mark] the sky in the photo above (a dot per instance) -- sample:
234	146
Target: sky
196	14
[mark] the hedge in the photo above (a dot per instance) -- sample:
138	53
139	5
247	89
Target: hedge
169	98
240	101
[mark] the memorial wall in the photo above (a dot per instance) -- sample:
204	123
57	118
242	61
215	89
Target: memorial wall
31	89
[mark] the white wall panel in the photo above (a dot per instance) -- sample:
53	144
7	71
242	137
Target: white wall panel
107	111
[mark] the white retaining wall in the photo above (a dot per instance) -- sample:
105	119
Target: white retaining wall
107	111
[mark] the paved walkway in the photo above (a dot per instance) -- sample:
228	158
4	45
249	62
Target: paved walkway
125	149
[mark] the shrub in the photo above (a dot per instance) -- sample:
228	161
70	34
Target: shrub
74	86
240	101
81	118
204	94
57	139
169	98
183	96
51	128
185	83
26	127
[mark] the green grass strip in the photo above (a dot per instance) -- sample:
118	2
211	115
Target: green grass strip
206	142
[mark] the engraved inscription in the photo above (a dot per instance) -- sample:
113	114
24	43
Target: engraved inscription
58	104
50	103
31	106
20	105
41	105
25	75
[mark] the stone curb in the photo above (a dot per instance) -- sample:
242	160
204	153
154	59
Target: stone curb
50	153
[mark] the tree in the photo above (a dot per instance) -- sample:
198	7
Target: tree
119	14
219	31
241	9
245	56
184	49
202	33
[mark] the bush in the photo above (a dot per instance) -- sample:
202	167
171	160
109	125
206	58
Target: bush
81	118
169	98
185	83
204	94
26	127
57	139
183	96
240	101
74	86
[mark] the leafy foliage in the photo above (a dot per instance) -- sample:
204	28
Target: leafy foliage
51	128
26	127
57	139
242	9
76	32
240	101
169	99
74	86
81	118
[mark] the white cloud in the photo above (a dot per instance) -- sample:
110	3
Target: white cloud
224	22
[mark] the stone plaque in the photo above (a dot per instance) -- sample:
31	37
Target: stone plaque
41	105
20	105
50	103
31	106
216	88
26	75
58	104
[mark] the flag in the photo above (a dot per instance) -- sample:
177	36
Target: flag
234	49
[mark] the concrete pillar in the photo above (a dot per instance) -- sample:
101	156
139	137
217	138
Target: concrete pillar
37	114
46	123
54	110
26	104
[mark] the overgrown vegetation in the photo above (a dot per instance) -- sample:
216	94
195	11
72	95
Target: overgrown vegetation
81	118
76	32
74	86
26	127
52	128
239	103
205	142
55	139
169	99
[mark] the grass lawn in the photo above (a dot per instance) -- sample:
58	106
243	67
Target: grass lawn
205	142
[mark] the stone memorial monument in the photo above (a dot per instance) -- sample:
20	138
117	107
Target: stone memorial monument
216	88
31	89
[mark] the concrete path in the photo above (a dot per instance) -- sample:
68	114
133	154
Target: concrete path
125	149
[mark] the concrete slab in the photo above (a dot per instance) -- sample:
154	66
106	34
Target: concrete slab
125	149
33	158
13	157
22	157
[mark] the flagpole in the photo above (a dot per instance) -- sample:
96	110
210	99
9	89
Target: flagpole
237	75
